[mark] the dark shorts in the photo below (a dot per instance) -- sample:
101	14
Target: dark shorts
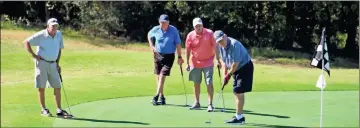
243	78
163	63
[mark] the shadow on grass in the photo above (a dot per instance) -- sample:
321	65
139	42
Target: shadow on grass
231	110
110	121
259	114
270	126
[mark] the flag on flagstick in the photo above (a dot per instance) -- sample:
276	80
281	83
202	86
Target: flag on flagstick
321	60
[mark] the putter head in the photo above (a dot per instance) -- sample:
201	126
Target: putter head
69	117
208	122
222	110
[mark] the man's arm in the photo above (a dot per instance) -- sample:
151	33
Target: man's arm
217	54
29	49
33	40
178	49
151	43
233	68
58	59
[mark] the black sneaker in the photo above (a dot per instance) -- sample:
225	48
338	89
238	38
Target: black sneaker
45	112
236	121
162	100
63	114
195	106
154	100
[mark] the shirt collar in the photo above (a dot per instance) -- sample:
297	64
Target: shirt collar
46	33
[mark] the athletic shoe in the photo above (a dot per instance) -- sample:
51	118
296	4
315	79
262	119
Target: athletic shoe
63	114
210	108
154	100
236	121
45	112
196	106
162	100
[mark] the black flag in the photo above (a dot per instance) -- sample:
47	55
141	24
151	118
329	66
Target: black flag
321	55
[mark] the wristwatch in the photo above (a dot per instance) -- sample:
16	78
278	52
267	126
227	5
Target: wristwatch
179	57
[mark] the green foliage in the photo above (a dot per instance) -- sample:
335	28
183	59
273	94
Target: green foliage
275	24
341	40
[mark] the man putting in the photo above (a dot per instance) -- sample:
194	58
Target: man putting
49	43
166	41
200	43
237	60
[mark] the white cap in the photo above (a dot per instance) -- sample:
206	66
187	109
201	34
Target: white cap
52	21
197	21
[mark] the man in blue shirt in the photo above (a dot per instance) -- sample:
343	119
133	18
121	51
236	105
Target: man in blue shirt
49	43
237	60
164	39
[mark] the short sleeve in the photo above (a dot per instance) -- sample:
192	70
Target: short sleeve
236	52
151	33
35	39
177	37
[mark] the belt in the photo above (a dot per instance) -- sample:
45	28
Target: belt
47	61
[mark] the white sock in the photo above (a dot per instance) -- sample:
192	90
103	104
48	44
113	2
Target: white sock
58	110
43	109
239	116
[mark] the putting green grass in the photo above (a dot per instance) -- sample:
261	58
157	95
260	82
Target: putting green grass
93	73
265	109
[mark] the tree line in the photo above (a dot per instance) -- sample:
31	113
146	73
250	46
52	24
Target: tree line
289	25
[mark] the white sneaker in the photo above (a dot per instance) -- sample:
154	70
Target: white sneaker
210	108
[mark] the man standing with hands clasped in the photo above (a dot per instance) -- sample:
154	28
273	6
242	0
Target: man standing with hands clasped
238	64
200	44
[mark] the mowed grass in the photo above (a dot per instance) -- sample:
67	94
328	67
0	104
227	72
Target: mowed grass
97	72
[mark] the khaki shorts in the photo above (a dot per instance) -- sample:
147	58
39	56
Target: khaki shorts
196	76
46	72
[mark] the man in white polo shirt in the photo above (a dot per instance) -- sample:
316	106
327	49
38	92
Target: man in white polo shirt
49	43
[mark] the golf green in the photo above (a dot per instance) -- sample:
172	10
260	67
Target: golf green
263	109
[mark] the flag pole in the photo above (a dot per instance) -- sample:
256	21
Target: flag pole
322	83
322	95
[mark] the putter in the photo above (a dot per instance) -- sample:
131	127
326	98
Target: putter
70	116
222	95
182	75
221	91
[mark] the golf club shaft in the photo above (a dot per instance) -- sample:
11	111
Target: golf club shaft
65	93
182	76
222	95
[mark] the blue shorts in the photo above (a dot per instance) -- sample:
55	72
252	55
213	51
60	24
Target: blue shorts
243	78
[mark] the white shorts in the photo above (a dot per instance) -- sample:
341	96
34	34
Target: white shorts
46	72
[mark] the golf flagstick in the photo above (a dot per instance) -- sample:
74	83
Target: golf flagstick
182	75
222	95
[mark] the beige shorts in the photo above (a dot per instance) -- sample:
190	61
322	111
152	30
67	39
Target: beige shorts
46	72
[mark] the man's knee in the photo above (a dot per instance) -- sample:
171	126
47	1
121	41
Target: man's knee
56	91
41	90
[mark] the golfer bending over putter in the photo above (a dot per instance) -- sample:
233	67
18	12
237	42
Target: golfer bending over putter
237	60
49	43
200	43
167	40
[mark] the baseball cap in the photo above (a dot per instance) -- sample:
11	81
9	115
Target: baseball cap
197	21
163	18
218	35
52	21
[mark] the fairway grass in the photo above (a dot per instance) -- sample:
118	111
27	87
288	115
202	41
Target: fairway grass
94	73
